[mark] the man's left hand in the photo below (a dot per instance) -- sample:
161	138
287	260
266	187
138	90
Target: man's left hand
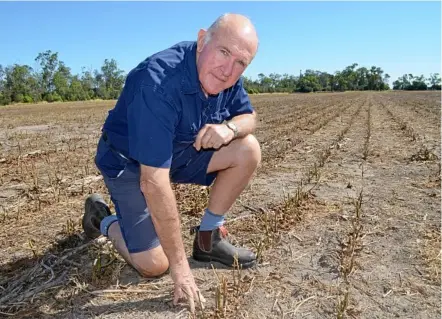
213	136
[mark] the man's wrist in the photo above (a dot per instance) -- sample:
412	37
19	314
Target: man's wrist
233	128
177	265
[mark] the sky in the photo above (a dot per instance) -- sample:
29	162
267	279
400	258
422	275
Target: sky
399	37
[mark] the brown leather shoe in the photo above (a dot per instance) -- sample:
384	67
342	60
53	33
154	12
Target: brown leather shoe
213	245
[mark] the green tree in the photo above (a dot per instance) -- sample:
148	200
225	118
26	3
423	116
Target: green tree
88	84
419	83
435	81
265	82
100	86
340	81
350	77
308	83
20	85
76	90
113	78
62	78
410	82
362	78
49	63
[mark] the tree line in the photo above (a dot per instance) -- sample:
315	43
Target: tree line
350	78
54	81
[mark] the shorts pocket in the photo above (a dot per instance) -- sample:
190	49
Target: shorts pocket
185	138
110	164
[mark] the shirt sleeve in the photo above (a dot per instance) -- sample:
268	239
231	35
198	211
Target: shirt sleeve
152	119
240	103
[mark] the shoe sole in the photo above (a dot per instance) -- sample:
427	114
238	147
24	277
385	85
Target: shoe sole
210	259
95	209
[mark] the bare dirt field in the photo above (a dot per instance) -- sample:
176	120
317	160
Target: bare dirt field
343	213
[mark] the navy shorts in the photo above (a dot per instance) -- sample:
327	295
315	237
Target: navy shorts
122	179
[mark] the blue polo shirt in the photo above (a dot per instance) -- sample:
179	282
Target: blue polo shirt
162	108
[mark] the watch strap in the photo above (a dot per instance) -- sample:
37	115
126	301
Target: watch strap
233	127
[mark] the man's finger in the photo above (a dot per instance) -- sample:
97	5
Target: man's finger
177	296
206	140
190	299
200	135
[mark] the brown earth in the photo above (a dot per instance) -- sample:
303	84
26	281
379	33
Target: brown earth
344	214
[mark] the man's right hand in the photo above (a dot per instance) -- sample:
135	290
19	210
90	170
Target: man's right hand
160	199
185	287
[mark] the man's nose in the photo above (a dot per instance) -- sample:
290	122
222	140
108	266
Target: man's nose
228	67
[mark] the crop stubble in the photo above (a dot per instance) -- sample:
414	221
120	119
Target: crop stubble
343	214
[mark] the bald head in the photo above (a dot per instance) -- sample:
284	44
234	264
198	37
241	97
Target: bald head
234	24
224	51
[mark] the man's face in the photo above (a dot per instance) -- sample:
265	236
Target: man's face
222	61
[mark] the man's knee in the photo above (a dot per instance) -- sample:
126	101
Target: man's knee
152	263
249	151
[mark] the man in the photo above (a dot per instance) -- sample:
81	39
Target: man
184	117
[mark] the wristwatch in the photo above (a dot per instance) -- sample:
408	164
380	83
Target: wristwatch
233	127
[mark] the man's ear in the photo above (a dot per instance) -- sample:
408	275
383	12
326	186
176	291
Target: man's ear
200	42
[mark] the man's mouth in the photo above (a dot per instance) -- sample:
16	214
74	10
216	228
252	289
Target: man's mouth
219	79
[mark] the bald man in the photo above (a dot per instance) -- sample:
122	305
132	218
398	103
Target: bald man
182	117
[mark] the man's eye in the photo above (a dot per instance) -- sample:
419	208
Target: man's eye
224	52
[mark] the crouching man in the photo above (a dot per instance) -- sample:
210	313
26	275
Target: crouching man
183	117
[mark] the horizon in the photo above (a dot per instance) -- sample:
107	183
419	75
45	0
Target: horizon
332	36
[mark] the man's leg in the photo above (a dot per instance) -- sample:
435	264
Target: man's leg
131	232
150	263
234	165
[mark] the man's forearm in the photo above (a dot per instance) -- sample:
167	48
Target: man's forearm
246	124
163	209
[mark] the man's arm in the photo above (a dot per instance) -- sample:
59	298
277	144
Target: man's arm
245	123
160	198
216	135
243	117
242	113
